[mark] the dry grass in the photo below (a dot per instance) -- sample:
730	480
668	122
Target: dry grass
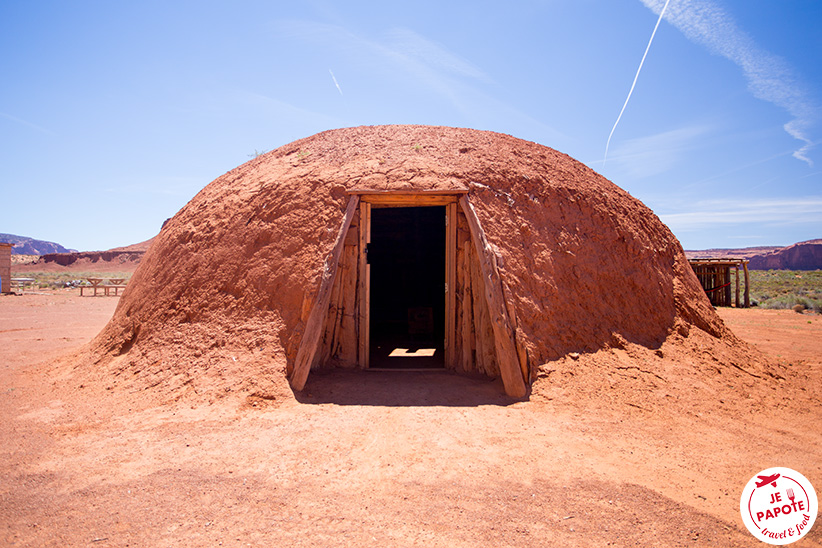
785	289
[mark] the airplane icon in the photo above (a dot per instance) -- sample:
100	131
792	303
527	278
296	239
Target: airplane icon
765	480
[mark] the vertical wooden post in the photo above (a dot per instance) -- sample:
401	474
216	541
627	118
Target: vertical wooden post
450	285
747	285
737	284
314	325
364	289
504	341
468	339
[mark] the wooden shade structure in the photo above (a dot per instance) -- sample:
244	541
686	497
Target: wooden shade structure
480	331
718	275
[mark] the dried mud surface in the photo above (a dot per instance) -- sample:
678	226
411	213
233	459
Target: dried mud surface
398	459
221	298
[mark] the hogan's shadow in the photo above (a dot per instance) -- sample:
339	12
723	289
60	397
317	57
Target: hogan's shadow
402	389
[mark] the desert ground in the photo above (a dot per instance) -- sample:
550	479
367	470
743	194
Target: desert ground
388	458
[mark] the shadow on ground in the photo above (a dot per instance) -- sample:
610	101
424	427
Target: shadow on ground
402	388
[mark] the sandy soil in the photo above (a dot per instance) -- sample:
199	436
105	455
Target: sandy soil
382	459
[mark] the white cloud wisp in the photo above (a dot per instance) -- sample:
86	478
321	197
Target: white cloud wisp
656	154
715	213
769	77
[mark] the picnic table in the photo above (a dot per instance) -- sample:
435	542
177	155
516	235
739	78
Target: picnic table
19	283
109	286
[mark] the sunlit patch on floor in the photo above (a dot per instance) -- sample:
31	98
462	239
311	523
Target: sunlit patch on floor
409	353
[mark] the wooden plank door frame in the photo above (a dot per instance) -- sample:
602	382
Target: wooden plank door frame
314	325
368	199
450	285
364	289
513	372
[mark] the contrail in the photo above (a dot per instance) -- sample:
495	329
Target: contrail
335	82
658	21
26	123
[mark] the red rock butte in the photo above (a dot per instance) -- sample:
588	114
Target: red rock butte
264	274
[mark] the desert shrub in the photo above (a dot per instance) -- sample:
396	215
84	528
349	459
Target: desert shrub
787	302
784	289
70	279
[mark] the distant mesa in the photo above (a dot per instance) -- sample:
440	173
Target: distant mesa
30	246
800	256
730	253
120	259
129	254
92	257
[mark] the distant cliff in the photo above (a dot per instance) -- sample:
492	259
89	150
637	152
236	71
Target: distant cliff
119	260
730	253
92	257
800	256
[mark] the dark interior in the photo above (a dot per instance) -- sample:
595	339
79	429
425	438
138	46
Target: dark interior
407	258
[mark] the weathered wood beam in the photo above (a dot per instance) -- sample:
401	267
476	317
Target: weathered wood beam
389	200
737	285
314	326
504	341
451	285
363	192
364	289
486	361
467	316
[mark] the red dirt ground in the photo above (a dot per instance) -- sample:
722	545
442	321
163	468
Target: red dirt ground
397	459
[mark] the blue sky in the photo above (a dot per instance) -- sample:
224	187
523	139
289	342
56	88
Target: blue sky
114	114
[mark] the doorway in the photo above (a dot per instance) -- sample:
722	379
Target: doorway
406	255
